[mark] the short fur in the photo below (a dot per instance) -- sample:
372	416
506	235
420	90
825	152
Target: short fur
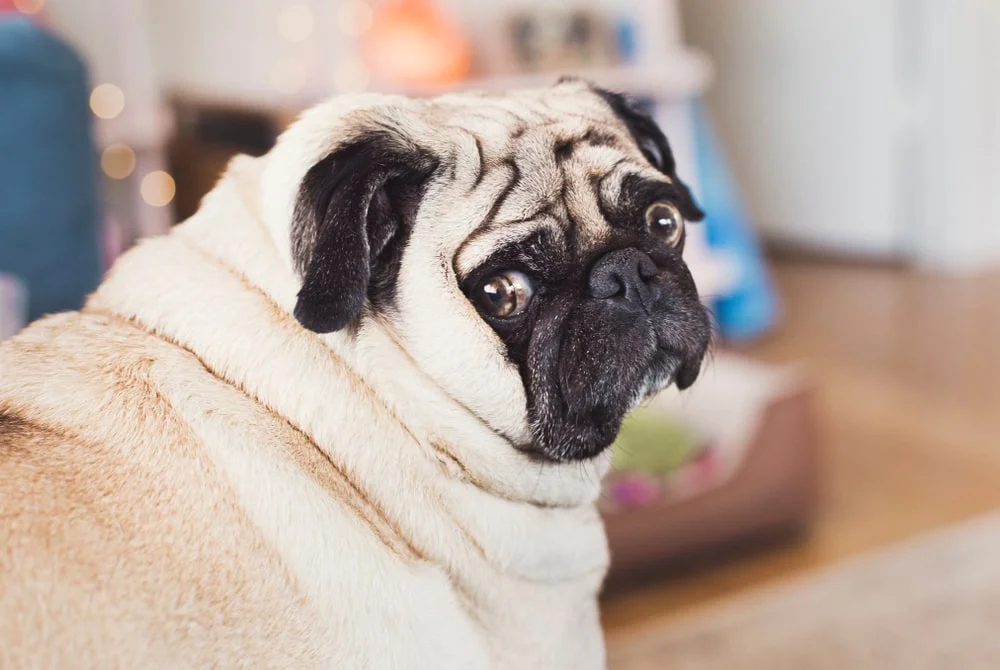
283	435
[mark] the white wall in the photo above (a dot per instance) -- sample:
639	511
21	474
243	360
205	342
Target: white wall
226	48
113	37
232	49
870	127
793	98
960	103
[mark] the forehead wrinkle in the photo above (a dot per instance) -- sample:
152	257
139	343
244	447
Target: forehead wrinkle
599	158
486	125
593	177
480	246
494	130
541	180
524	109
608	184
468	161
475	206
529	200
582	208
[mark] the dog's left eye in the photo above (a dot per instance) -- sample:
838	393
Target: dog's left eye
505	294
664	221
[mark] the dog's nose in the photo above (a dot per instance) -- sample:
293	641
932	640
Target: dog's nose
625	275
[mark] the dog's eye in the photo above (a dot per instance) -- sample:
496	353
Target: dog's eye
506	294
664	221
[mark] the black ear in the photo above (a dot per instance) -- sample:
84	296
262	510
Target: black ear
352	217
653	144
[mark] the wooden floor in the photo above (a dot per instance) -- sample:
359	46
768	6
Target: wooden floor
908	372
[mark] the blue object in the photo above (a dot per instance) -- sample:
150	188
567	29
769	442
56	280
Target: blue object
625	37
49	188
752	307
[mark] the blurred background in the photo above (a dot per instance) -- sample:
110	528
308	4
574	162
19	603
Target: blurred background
847	153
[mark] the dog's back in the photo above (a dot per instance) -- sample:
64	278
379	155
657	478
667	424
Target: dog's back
115	527
155	515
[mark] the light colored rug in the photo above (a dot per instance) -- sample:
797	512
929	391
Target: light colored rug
932	603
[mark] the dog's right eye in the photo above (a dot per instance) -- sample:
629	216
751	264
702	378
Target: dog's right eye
505	294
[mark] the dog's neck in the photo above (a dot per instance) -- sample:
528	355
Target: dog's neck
531	520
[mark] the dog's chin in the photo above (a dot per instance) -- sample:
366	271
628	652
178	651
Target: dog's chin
660	377
586	433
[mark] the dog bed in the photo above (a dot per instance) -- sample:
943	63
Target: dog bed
744	466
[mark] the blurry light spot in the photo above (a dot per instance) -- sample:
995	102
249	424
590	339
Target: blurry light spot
288	76
354	17
118	161
29	6
107	101
158	188
350	76
295	23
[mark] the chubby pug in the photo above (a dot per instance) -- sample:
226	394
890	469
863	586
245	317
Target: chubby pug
354	413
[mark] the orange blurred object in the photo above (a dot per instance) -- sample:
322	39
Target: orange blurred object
413	43
32	9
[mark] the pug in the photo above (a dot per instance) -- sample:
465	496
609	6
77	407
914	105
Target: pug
354	413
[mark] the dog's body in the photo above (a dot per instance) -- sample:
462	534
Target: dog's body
191	478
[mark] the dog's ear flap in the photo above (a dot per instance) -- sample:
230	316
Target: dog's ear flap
348	212
653	144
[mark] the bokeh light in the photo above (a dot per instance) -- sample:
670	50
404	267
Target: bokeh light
29	6
158	188
107	101
296	22
350	76
288	75
118	161
354	17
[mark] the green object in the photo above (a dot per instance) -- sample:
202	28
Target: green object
651	442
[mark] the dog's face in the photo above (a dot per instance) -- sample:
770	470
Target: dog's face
525	249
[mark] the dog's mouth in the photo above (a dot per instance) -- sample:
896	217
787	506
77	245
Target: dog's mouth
606	369
662	373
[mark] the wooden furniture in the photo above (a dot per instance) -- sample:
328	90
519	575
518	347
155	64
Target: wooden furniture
772	496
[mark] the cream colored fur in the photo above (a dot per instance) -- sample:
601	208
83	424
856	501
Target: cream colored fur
188	478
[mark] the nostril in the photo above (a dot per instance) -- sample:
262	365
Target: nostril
625	273
605	285
646	269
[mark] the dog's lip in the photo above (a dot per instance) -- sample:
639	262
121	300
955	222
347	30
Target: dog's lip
661	382
663	372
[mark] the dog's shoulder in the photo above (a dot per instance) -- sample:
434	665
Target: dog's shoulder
51	374
21	438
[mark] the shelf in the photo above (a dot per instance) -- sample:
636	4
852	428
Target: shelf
682	74
145	133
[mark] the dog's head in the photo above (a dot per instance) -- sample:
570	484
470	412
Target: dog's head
525	248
